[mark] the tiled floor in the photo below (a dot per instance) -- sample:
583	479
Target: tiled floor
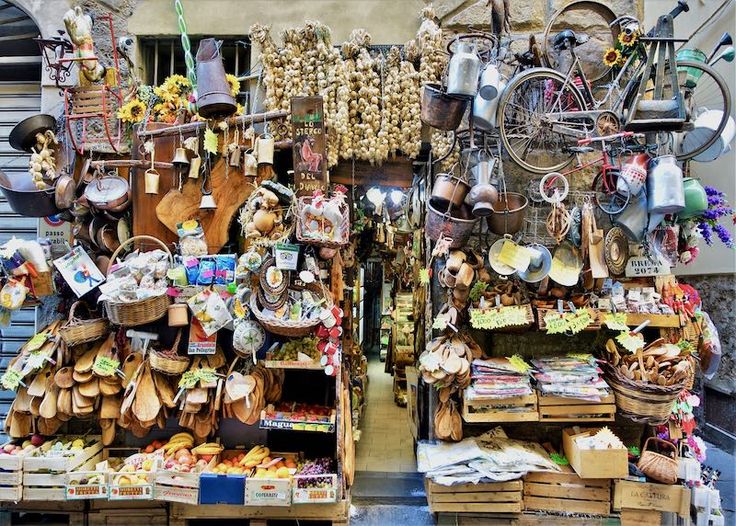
385	442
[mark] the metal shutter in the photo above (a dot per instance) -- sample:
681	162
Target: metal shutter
17	101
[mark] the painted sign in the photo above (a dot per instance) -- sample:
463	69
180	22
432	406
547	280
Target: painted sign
308	131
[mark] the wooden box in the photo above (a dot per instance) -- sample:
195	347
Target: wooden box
175	486
514	409
594	463
76	490
327	492
61	464
11	474
566	493
559	409
139	491
485	497
655	497
52	485
267	492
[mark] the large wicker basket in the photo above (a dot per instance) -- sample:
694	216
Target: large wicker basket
77	331
288	327
169	362
131	314
644	403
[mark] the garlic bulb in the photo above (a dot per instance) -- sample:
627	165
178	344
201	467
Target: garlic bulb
42	164
441	143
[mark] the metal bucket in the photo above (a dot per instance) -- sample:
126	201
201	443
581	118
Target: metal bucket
702	131
25	199
633	220
440	110
455	224
508	213
213	91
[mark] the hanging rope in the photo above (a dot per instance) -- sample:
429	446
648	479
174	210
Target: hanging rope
188	58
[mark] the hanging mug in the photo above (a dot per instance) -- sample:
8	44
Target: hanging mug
151	181
250	164
264	149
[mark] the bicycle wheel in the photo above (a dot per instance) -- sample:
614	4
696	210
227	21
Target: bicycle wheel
708	93
612	193
530	132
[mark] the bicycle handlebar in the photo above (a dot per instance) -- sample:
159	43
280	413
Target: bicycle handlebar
681	7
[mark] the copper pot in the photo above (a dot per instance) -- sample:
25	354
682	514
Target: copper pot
450	189
214	98
508	213
445	222
440	110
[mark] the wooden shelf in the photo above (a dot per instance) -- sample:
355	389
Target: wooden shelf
657	320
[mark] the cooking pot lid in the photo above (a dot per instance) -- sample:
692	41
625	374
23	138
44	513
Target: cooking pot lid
566	265
616	251
23	136
536	273
106	189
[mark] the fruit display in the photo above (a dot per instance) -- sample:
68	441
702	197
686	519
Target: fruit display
298	416
316	473
62	447
19	448
87	479
276	468
135	470
297	350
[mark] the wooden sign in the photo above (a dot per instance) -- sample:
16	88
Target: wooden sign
308	132
641	266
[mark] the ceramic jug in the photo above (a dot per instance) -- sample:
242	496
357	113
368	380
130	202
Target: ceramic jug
633	175
462	76
665	190
696	200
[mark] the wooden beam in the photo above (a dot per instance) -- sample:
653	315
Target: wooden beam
394	172
195	126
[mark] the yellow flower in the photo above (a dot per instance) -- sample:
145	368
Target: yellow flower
132	112
611	57
234	83
628	39
176	84
239	110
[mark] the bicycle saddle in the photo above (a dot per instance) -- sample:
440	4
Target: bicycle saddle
568	39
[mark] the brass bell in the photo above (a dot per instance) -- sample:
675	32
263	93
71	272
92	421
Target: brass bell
207	202
180	159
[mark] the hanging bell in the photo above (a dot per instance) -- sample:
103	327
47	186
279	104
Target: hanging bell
180	159
207	202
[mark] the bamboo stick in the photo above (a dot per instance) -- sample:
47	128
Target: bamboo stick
194	126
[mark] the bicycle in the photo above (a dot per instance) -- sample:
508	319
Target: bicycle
542	112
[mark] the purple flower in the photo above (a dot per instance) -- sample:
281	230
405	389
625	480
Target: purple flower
714	200
712	191
723	235
706	232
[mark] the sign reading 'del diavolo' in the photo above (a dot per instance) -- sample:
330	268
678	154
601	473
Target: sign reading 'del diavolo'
308	132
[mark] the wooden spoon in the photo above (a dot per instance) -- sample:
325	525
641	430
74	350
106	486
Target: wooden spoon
108	431
108	388
146	405
22	400
166	392
82	378
49	426
130	366
64	401
21	425
63	378
85	362
48	405
36	405
38	386
110	407
90	389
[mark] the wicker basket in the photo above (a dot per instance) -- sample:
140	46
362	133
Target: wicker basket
169	362
77	331
659	466
288	327
644	403
131	314
305	201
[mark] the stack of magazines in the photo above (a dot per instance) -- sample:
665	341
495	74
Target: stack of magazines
497	378
570	377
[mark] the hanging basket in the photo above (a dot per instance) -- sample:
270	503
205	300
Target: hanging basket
131	314
658	465
644	403
77	330
169	362
318	234
289	327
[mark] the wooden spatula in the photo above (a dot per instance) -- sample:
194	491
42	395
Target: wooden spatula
110	407
90	389
146	404
48	405
85	362
38	386
130	365
22	400
63	378
82	378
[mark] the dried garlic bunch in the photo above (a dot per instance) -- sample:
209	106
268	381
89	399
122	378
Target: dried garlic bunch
430	41
274	80
292	58
391	111
441	142
411	109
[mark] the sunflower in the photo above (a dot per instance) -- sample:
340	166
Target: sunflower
176	84
132	112
239	110
611	57
234	83
628	39
165	94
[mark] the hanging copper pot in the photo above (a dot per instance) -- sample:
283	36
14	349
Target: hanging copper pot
214	99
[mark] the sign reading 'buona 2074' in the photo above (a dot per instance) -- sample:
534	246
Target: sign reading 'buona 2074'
308	132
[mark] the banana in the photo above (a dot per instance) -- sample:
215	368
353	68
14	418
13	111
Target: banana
255	455
208	448
183	434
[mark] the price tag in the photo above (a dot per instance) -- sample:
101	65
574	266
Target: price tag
105	366
210	141
37	341
556	323
11	379
483	318
578	321
630	342
35	361
518	364
424	276
207	377
616	322
583	357
188	380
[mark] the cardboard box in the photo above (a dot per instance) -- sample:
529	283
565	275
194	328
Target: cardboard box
594	463
267	492
646	496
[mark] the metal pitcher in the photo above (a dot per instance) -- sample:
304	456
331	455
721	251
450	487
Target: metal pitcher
214	99
464	68
490	82
485	111
665	190
634	218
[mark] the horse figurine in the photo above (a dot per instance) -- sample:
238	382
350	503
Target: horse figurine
79	28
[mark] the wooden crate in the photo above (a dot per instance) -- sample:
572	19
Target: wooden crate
52	485
117	513
514	409
11	474
175	486
34	462
485	497
566	493
559	409
630	495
